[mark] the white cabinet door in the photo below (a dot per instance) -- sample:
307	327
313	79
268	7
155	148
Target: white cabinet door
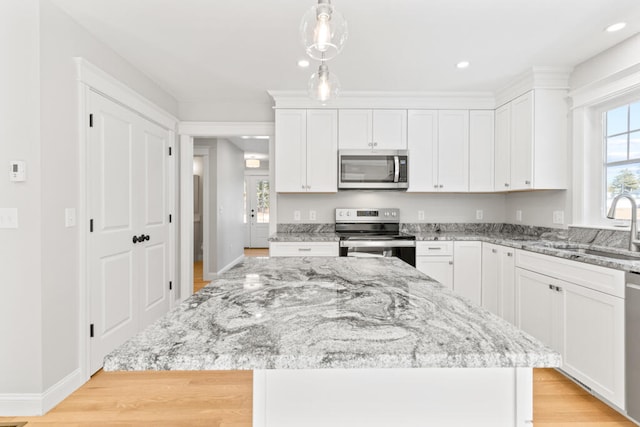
390	129
291	151
539	307
467	270
322	151
439	268
522	142
453	150
498	281
502	155
355	129
594	340
507	293
491	277
481	150
423	150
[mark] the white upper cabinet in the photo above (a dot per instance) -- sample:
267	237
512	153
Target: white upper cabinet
453	150
502	147
438	150
481	150
372	129
531	142
306	151
423	150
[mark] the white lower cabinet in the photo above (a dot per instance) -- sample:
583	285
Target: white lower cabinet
457	265
303	249
583	318
435	259
498	281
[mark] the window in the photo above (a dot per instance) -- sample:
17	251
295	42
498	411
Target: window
622	156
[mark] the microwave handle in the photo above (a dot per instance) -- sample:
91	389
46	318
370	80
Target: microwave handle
396	161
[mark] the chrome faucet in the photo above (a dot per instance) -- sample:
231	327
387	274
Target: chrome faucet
634	243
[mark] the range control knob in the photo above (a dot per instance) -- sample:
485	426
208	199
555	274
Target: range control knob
348	213
394	213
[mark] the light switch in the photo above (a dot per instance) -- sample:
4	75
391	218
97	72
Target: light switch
312	215
70	217
17	171
8	218
296	215
519	215
421	215
479	214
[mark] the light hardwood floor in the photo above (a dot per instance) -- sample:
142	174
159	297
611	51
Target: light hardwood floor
224	399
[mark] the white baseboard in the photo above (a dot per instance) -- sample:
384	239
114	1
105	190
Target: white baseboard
35	404
231	264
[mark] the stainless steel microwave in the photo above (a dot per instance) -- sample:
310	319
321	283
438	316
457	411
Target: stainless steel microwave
377	170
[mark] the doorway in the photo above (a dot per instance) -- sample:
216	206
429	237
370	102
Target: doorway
256	215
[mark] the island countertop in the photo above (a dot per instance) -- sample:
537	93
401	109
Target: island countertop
317	313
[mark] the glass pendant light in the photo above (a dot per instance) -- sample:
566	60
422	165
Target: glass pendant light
323	85
323	31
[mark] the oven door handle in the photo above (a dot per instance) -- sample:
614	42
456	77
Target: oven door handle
378	244
396	162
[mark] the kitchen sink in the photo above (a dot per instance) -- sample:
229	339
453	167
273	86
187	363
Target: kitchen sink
604	254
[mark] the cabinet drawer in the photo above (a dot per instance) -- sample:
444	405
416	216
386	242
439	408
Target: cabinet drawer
434	248
303	249
594	277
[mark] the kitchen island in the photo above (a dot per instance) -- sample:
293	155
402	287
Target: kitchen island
348	342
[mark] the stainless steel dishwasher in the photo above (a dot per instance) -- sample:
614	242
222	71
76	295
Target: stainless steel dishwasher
632	345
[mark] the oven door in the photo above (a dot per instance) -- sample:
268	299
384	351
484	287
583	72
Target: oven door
384	169
403	249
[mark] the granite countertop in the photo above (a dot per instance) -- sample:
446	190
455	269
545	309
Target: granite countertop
315	313
548	244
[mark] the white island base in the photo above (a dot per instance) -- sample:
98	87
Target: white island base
443	397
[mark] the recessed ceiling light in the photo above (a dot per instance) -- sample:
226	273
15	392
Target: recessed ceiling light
303	63
615	27
463	64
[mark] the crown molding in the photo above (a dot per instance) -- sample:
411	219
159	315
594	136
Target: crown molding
220	129
535	78
390	100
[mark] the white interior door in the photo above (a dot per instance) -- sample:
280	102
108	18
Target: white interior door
112	267
153	223
257	197
128	258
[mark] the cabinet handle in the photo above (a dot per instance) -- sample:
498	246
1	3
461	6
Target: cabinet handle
441	185
435	186
434	248
303	187
509	253
527	182
506	184
551	287
375	144
494	251
450	262
558	289
308	187
304	249
370	144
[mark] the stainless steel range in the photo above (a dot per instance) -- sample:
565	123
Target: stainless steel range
374	232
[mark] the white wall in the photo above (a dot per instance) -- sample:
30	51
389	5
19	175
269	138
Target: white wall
41	264
537	207
437	207
20	255
230	172
227	110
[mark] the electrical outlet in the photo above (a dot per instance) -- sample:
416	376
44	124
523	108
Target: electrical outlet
296	215
519	215
312	215
558	217
421	215
479	214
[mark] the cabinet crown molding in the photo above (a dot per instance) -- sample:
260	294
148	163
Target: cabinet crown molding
390	100
535	78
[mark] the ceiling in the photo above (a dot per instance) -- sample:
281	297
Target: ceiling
235	50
